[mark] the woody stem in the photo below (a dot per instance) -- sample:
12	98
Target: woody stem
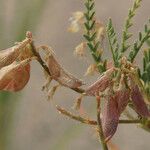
99	123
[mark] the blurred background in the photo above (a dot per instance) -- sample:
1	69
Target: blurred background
27	120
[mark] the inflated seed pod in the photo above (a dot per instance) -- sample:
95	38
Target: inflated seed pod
110	118
122	97
15	76
101	84
9	55
62	76
138	102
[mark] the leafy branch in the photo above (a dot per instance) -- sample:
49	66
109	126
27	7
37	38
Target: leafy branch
113	42
128	24
91	34
143	37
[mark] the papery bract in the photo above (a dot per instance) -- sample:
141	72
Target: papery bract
138	101
15	76
110	118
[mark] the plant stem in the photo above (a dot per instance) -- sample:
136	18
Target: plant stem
99	123
89	121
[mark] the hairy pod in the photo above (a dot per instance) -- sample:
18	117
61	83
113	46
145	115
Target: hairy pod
101	84
15	76
138	102
110	118
59	74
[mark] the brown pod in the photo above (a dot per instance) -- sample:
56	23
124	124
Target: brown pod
138	102
8	56
122	97
60	75
101	84
15	76
21	50
110	118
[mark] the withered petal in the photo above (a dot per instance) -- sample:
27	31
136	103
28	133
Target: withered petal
61	75
15	76
110	118
138	101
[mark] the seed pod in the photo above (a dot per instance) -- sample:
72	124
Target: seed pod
122	97
60	75
9	55
138	101
110	118
101	84
15	76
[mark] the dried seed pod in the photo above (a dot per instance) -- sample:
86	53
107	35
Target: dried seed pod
101	84
9	55
60	75
15	76
110	118
122	97
138	101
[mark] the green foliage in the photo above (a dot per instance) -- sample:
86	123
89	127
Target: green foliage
143	37
146	70
113	42
91	34
128	24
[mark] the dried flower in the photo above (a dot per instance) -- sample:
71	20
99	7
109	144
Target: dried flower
80	50
76	20
100	31
91	70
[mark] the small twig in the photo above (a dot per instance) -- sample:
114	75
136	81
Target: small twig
89	121
99	123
